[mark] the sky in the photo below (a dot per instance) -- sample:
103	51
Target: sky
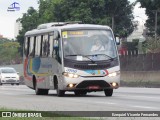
8	18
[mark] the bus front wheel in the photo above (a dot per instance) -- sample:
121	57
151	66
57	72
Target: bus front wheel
60	93
108	92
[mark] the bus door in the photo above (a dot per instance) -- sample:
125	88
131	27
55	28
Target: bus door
54	57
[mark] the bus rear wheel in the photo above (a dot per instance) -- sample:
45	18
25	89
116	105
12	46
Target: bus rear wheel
108	92
40	91
0	82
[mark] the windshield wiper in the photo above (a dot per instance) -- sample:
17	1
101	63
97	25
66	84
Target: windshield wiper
111	58
83	56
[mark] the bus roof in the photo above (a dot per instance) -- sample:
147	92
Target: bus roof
48	27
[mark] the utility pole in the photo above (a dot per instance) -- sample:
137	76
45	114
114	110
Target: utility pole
156	11
113	22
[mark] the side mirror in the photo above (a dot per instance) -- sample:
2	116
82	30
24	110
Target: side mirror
117	41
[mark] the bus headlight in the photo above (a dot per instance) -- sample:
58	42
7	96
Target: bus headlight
114	74
71	75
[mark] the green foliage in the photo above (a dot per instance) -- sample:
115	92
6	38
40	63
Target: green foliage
151	6
99	12
9	52
151	45
131	45
88	11
3	40
121	10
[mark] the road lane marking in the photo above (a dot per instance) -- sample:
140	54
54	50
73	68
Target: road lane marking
145	107
116	104
132	96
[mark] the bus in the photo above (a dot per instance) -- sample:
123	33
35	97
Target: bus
61	56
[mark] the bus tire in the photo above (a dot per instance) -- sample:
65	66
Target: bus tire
0	82
108	92
37	90
60	93
41	91
44	91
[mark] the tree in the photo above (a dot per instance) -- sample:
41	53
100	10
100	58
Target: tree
151	6
120	12
9	52
114	13
29	21
151	45
117	14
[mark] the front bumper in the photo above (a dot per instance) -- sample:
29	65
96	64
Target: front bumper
10	81
91	83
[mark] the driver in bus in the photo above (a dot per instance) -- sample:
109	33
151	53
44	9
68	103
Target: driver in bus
98	46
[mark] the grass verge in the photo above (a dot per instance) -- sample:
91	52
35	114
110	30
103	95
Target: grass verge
54	116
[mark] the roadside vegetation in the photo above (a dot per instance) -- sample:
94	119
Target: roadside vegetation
115	13
9	52
151	45
118	14
55	116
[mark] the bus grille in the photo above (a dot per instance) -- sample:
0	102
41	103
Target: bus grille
92	67
87	83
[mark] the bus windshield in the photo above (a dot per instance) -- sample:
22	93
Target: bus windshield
88	45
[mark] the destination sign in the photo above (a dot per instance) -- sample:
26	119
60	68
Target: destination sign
66	34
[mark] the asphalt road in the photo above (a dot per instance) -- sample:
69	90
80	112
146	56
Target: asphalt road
123	99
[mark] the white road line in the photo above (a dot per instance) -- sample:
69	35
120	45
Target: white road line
144	107
10	94
116	104
140	96
15	89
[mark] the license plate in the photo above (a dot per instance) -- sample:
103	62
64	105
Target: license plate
93	87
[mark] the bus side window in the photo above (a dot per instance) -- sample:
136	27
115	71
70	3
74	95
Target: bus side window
48	46
45	46
32	47
41	47
27	45
57	50
38	46
50	52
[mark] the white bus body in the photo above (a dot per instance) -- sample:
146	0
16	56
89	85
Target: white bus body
58	56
